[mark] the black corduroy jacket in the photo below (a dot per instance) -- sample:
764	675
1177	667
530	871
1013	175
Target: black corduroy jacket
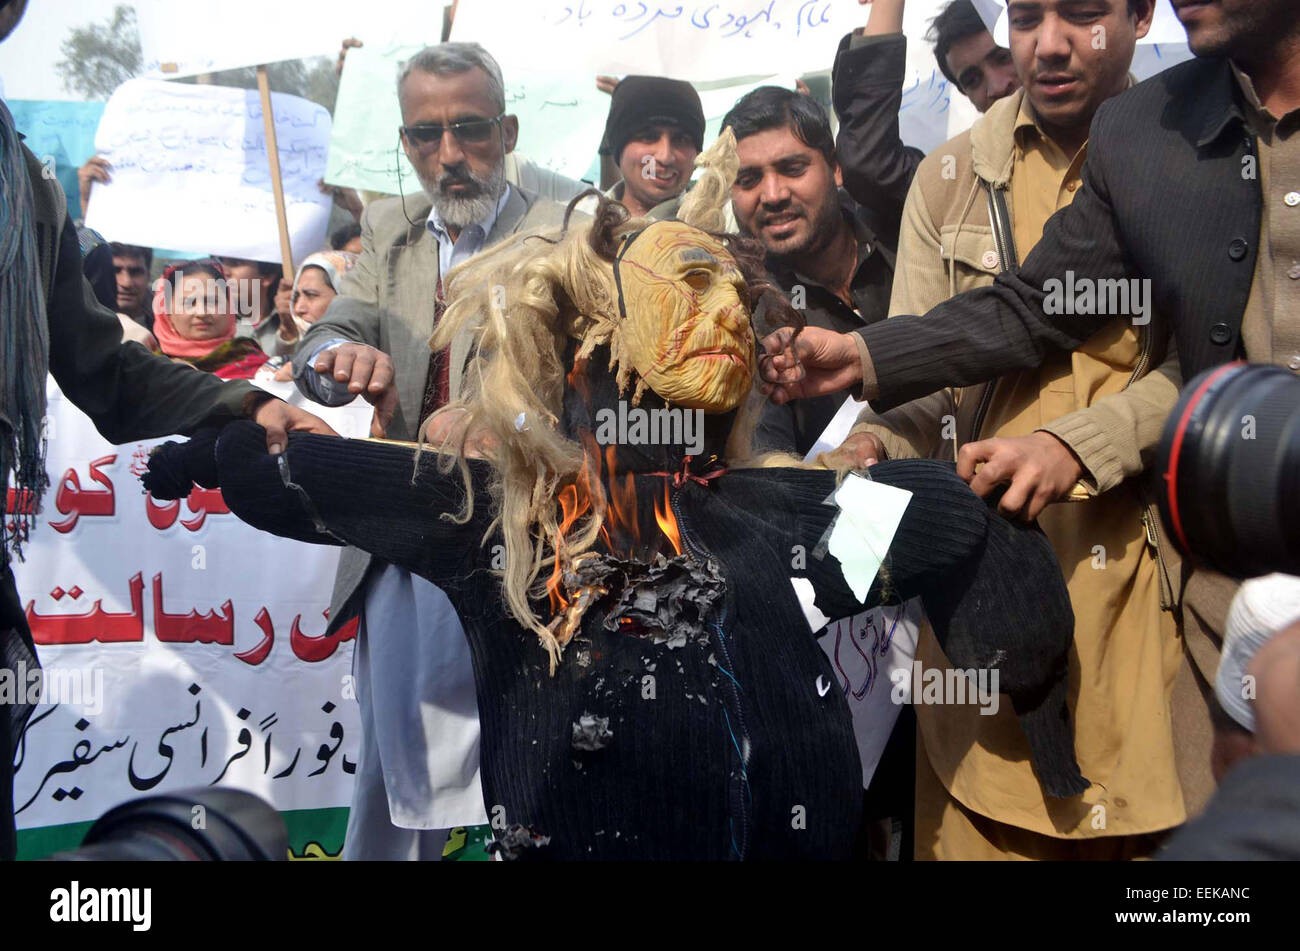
740	744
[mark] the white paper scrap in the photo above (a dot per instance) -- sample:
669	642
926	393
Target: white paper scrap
803	590
837	430
869	516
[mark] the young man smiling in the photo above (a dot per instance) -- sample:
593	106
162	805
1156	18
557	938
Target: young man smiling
824	250
654	131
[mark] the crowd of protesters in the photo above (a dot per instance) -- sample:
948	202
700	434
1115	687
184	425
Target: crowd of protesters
1066	166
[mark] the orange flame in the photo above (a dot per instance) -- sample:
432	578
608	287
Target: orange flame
577	379
574	499
668	522
621	530
621	517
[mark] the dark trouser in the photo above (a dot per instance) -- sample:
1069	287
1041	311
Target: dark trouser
14	656
890	800
16	653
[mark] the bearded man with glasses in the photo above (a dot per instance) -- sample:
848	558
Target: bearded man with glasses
418	774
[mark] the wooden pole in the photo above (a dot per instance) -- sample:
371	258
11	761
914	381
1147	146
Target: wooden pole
273	159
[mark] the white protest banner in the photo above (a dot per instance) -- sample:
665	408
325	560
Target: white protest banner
188	37
180	648
699	40
765	41
190	171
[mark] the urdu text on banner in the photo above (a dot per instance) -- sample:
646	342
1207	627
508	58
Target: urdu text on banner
179	646
190	171
705	42
698	41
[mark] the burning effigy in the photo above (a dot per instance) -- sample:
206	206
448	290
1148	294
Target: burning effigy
648	683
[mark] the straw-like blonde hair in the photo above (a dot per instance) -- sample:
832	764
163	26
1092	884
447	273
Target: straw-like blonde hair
523	301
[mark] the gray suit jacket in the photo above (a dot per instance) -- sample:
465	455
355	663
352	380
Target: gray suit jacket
387	302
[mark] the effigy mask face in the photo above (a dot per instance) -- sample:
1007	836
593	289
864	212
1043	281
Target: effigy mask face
686	329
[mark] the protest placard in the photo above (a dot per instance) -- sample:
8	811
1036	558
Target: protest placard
61	135
697	41
190	171
180	648
207	36
741	43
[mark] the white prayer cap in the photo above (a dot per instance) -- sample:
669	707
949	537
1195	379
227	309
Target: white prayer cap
1262	607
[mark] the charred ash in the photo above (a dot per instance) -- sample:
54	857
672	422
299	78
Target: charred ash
666	600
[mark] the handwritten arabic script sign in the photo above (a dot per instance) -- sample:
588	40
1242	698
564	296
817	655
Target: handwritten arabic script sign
183	647
699	40
706	41
190	171
61	135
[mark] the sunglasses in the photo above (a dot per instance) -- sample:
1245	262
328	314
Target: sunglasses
466	131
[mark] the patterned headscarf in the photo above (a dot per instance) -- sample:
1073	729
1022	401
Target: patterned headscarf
169	339
334	263
24	345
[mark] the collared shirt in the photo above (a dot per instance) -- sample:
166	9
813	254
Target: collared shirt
1126	651
327	390
1043	180
415	679
1270	325
471	238
873	276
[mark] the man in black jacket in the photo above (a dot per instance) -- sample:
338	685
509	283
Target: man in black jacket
823	249
1192	184
867	94
50	319
1171	193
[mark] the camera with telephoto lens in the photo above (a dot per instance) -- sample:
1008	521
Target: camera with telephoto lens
1229	470
189	825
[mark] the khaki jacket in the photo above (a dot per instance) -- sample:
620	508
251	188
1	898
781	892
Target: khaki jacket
1103	402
